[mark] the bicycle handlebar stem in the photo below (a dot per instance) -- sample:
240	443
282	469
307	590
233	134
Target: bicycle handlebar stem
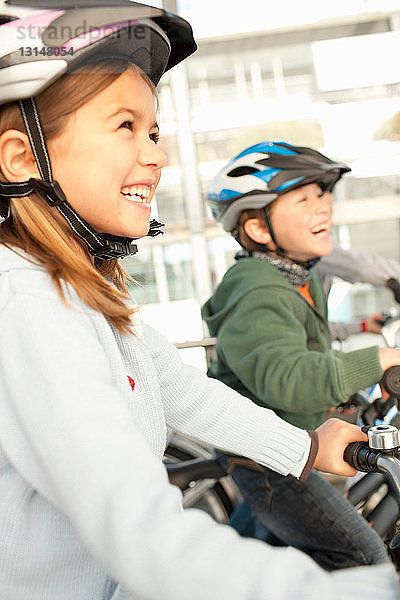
390	466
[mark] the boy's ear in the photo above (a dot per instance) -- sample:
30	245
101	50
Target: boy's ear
257	231
16	157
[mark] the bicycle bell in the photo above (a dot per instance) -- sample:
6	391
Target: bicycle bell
383	437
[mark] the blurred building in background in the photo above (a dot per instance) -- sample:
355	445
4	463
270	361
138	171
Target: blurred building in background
313	73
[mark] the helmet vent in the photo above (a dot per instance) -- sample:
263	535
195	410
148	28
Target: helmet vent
6	19
265	162
240	171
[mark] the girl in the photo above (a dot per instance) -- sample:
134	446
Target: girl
86	393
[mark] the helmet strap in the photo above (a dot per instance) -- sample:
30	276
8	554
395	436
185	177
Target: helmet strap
100	245
235	234
281	252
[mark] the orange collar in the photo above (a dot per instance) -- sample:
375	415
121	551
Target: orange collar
305	291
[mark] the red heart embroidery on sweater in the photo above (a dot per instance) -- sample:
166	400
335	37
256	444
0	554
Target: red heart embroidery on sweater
131	381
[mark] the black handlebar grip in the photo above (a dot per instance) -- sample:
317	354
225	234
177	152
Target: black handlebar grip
391	381
394	285
350	454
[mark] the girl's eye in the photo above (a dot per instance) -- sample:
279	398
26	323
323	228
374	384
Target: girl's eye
127	125
155	136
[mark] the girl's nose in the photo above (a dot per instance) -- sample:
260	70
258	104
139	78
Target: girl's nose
152	155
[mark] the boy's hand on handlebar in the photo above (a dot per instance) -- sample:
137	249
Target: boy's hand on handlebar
389	357
333	437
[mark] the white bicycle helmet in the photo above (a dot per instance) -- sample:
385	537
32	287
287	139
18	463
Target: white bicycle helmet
10	12
55	38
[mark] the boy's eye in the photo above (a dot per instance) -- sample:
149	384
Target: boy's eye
127	125
155	136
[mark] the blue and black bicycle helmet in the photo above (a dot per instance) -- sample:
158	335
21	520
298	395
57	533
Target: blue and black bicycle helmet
261	173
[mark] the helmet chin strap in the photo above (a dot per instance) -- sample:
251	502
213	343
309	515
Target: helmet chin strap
100	245
281	252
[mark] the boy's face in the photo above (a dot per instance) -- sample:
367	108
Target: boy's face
107	161
301	220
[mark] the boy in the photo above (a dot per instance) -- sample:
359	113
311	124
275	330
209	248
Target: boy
273	342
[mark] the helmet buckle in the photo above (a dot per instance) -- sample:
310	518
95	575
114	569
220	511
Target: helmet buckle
50	190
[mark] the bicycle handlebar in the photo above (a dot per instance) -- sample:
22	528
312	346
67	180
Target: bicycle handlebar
380	455
360	456
378	408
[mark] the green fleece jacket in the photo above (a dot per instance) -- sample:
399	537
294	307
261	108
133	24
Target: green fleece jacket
275	348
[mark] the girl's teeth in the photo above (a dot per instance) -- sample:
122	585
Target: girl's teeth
138	193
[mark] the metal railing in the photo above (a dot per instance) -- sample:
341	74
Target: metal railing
207	343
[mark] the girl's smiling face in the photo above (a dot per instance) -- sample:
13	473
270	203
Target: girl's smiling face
107	160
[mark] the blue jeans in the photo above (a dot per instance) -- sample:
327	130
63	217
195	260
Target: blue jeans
309	515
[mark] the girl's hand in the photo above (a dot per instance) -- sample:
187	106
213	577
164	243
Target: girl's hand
333	437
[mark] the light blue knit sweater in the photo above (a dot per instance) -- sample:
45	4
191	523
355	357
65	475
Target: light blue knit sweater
86	510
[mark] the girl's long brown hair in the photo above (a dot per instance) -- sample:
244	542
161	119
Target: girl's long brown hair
39	230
